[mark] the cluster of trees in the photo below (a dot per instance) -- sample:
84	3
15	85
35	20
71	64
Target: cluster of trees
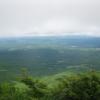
75	87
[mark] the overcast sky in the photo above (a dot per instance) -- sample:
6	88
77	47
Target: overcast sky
49	17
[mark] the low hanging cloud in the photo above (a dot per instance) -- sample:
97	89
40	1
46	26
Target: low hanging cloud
49	17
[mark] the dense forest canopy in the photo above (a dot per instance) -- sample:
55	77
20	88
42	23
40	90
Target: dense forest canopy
50	68
48	55
84	86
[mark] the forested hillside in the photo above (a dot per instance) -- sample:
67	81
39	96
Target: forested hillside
48	55
84	86
51	68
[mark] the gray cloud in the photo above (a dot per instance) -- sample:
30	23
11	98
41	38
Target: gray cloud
45	17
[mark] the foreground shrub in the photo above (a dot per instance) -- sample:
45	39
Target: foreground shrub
82	87
76	87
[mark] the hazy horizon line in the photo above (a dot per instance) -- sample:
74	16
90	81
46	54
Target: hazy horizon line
50	35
